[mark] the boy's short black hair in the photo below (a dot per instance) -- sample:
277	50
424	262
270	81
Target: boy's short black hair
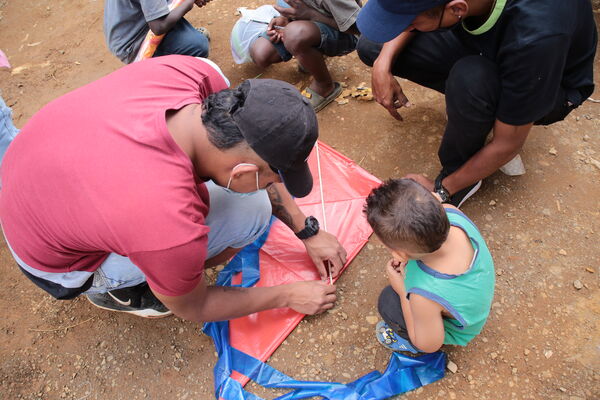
405	215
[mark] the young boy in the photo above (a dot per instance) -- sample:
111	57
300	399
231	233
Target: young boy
126	23
441	272
307	30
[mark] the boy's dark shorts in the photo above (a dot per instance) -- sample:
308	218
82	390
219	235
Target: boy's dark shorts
390	308
333	42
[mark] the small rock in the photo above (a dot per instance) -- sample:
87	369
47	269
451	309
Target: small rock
578	285
548	353
493	203
590	270
372	319
526	352
553	151
494	355
452	367
562	252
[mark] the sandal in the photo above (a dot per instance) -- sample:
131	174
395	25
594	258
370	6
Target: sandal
319	102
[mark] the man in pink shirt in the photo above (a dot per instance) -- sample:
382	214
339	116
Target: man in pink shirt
127	188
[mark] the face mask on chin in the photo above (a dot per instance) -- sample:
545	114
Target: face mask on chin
227	189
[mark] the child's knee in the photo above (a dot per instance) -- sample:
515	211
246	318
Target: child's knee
300	35
262	53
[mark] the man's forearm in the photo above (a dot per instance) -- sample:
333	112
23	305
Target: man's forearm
223	303
285	208
219	303
506	144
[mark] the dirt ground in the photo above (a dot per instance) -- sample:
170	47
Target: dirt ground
542	340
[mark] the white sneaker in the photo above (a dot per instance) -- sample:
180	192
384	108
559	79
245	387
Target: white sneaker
514	167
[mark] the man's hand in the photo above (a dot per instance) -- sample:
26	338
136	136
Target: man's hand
275	34
428	183
311	297
395	272
296	10
325	247
387	92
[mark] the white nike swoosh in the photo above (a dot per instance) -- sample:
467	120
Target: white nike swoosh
123	303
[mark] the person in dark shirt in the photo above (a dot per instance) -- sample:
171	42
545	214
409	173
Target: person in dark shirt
503	65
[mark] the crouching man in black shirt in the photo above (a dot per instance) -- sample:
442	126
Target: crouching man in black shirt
504	65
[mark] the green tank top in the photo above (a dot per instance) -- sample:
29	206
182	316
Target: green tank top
468	296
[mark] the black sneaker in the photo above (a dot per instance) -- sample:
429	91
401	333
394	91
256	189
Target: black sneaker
137	300
458	198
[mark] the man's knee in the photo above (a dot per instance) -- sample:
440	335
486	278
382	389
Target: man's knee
300	35
367	50
474	83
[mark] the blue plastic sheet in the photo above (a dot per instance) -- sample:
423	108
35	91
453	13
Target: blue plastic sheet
403	373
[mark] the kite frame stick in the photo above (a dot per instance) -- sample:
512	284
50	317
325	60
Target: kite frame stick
322	200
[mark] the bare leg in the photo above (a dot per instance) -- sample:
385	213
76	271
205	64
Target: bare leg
301	38
263	53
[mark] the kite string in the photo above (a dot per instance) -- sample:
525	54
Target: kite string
322	201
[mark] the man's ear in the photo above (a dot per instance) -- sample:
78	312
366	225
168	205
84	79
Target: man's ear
242	169
458	8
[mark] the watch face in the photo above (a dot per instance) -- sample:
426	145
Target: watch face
443	195
312	224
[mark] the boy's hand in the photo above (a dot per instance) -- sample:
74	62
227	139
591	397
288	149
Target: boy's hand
274	33
296	10
395	271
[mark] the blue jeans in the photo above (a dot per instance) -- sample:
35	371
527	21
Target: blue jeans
183	39
7	129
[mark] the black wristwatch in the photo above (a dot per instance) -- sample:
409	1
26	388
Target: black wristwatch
311	227
440	190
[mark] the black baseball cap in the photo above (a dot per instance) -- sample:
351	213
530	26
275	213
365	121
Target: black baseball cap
382	20
281	127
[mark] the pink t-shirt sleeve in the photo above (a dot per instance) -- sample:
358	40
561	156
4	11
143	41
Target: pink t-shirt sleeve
175	271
